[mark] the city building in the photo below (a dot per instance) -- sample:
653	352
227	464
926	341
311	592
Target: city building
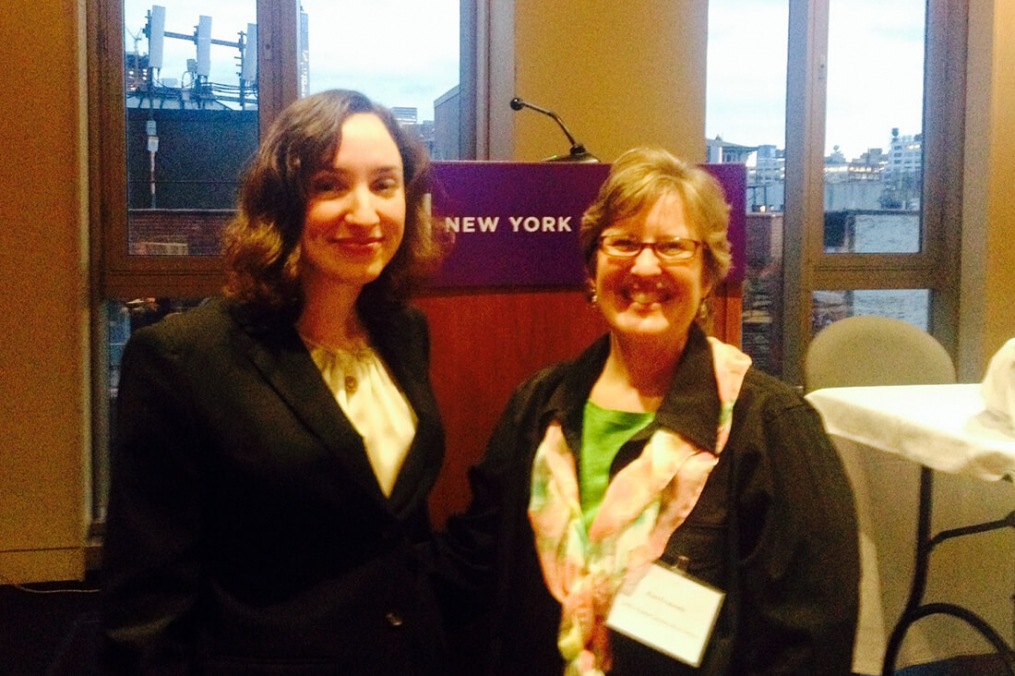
405	116
905	155
719	151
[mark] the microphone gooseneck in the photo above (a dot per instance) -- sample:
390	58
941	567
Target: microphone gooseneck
578	152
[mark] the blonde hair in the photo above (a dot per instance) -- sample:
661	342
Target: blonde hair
641	176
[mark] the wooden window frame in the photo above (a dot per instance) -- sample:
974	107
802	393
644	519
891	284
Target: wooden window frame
807	268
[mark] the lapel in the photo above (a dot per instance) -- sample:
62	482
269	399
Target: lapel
284	363
402	340
691	407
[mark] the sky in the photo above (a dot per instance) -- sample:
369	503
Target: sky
875	72
875	61
401	65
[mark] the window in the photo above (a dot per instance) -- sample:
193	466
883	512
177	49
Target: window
847	207
873	207
414	71
746	108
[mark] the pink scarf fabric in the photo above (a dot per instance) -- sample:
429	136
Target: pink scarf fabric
643	505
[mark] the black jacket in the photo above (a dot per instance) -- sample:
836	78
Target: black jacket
247	533
774	527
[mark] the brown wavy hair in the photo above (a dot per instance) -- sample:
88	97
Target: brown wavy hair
641	176
262	243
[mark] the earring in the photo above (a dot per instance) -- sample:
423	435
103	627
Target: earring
594	299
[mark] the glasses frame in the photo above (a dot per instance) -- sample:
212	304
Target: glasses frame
642	244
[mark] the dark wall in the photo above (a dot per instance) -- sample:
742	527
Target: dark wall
200	157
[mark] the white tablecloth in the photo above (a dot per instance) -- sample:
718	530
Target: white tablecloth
883	435
944	427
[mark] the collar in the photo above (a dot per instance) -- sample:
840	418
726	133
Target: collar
691	407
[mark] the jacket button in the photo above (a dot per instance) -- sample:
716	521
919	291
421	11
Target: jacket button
394	619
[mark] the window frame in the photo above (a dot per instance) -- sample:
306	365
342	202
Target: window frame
122	275
807	268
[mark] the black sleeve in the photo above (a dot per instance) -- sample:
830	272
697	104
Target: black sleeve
480	548
150	559
467	556
471	540
799	550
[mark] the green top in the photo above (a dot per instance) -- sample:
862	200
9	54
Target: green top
604	431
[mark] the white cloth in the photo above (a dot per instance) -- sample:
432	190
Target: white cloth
945	427
998	387
374	404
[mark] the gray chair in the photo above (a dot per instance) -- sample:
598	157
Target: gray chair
859	351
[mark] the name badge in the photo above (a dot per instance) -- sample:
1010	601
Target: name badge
669	611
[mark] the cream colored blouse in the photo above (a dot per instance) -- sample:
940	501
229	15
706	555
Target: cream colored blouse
373	402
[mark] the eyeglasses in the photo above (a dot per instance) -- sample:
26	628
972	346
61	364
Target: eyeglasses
671	250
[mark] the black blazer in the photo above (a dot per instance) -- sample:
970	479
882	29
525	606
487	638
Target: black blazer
247	533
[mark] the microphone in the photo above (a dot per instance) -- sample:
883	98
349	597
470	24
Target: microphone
578	152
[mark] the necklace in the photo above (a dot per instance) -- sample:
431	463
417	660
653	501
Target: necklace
347	360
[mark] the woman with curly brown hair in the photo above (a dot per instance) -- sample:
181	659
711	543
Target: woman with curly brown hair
275	449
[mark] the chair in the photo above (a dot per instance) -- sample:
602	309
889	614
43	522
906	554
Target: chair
859	351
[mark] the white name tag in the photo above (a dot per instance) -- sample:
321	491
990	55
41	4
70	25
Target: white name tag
668	611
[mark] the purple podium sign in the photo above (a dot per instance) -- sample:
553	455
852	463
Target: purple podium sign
516	224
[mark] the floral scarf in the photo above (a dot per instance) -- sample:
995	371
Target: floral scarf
644	504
